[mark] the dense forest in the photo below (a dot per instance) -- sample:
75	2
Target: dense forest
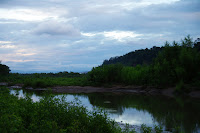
142	56
175	64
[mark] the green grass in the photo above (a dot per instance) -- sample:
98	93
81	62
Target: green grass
41	81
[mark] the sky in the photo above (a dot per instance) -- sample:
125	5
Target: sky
77	35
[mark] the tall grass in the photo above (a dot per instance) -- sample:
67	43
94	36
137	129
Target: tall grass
40	81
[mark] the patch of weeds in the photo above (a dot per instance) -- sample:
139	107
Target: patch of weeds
28	83
39	83
177	129
158	129
145	129
126	129
133	131
180	87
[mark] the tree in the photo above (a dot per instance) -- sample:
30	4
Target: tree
4	70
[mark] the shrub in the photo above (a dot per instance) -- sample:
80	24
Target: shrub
145	129
158	129
50	115
180	87
4	70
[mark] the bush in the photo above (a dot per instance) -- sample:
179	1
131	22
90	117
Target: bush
145	129
180	87
49	115
158	129
4	70
106	74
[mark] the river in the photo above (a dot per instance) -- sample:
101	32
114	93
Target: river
179	112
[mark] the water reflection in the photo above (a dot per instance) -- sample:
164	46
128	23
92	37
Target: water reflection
137	109
169	112
135	117
23	94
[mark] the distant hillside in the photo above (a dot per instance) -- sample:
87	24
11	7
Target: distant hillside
142	56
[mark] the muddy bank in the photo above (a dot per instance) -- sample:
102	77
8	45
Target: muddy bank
150	90
140	90
114	89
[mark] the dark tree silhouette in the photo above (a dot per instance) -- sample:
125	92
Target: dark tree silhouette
142	56
4	70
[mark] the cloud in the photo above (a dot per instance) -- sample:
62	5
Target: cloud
55	28
89	34
121	35
7	46
17	60
134	5
75	35
5	42
24	14
154	18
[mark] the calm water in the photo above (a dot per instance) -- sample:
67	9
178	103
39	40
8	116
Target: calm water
137	109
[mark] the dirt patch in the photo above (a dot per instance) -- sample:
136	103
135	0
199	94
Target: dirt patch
118	89
115	89
141	90
195	94
90	89
168	92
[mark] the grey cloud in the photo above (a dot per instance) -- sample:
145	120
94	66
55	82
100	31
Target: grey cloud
55	28
59	45
21	3
151	19
184	6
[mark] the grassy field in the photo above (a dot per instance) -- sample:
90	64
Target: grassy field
46	80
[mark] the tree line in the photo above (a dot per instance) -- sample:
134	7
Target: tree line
172	64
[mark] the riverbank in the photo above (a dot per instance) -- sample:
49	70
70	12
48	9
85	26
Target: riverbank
118	89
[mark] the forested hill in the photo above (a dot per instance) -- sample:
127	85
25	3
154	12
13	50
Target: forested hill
142	56
173	64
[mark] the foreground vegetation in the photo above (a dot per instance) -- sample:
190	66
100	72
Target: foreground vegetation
49	115
55	115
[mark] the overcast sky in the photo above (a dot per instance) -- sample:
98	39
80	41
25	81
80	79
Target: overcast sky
76	35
